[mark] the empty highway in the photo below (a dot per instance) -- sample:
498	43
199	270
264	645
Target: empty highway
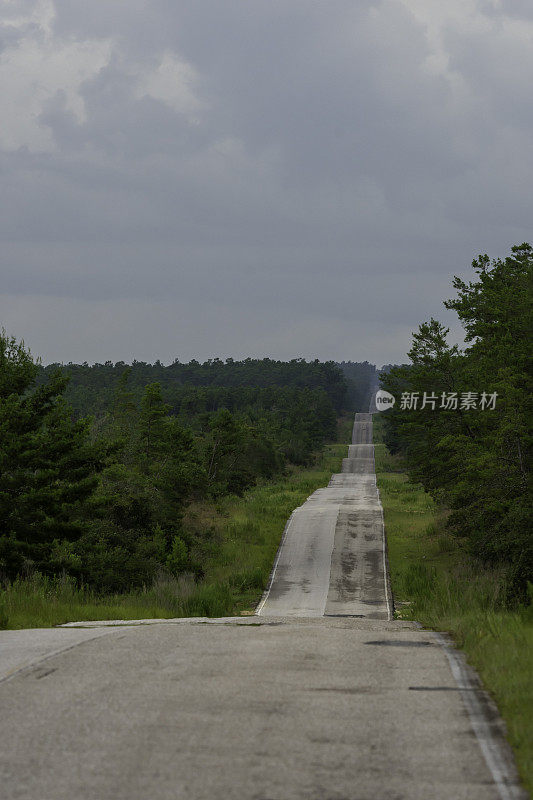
320	696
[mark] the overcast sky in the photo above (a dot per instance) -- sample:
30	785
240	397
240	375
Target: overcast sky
197	178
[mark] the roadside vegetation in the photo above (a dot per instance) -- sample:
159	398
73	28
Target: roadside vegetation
171	499
244	534
103	497
471	453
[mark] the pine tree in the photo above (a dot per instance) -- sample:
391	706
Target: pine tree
48	468
153	422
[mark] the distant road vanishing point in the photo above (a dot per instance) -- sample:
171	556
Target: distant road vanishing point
319	696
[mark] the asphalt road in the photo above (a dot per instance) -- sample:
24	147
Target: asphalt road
332	557
329	701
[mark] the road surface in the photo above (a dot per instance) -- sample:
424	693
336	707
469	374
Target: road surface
332	558
321	696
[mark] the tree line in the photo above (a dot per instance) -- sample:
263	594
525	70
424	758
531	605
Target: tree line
462	416
98	463
91	387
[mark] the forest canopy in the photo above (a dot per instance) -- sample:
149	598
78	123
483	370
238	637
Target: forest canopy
91	387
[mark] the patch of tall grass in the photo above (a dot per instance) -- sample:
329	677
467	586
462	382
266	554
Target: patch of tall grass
345	428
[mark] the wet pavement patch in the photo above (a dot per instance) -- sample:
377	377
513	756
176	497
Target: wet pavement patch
436	689
400	643
347	690
42	672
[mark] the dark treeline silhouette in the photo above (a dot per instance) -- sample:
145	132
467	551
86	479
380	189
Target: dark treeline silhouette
91	387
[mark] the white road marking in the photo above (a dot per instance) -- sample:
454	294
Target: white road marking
386	577
499	763
274	568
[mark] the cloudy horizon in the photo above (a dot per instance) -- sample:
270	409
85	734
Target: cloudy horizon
233	178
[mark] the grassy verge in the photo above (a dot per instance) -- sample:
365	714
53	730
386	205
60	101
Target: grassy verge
434	583
345	428
244	534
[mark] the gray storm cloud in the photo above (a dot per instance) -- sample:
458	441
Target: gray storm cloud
185	179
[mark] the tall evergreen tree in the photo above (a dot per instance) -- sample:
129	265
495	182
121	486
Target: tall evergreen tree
48	467
153	421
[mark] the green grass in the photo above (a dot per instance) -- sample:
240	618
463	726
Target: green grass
434	582
244	535
344	428
253	526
